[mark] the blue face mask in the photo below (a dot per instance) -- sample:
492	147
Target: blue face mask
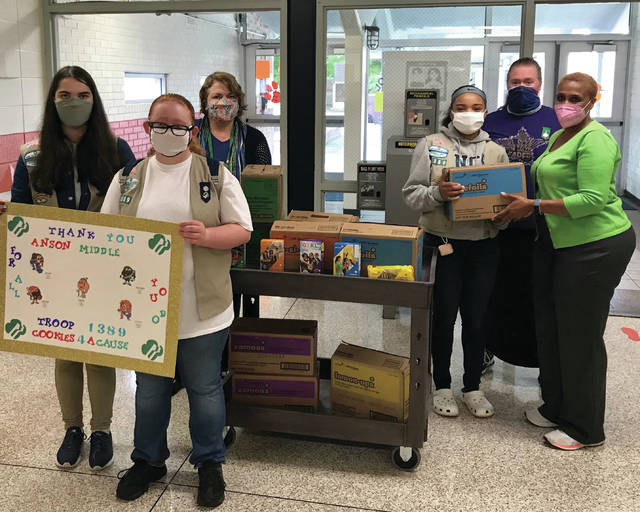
523	101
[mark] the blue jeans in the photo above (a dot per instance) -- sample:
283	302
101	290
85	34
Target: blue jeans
198	361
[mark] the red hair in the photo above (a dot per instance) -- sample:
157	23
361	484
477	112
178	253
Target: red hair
194	145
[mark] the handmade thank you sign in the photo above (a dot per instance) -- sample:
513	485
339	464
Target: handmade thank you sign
483	184
90	287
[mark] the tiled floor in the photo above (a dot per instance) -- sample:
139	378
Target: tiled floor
468	464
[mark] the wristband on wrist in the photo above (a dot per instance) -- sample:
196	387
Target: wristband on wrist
536	207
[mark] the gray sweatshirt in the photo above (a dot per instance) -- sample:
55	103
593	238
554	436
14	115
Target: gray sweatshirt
431	156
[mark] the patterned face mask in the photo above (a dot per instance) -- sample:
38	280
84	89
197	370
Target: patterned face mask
224	109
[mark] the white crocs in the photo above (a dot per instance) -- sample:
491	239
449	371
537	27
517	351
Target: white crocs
478	404
444	403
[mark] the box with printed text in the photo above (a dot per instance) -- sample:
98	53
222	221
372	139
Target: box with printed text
370	384
273	346
483	184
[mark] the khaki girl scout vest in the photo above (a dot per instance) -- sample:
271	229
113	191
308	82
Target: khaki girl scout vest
211	266
30	153
442	156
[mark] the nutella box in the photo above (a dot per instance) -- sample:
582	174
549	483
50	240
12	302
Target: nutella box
273	346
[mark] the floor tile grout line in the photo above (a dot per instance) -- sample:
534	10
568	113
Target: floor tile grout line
170	480
284	498
290	308
59	470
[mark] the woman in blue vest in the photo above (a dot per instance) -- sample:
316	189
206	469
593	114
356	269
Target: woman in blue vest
176	184
71	166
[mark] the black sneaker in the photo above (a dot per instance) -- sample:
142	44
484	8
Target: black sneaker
488	361
137	478
101	450
211	487
70	451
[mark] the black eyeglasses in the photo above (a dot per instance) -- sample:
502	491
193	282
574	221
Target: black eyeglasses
177	129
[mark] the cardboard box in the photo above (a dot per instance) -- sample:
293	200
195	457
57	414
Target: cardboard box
293	231
272	255
260	231
370	384
384	244
276	390
273	346
483	184
300	215
262	186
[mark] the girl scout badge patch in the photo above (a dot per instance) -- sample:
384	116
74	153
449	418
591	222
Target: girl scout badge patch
438	155
205	191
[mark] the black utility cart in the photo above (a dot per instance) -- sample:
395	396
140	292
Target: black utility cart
405	438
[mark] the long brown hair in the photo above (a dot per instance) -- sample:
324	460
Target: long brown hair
194	145
97	158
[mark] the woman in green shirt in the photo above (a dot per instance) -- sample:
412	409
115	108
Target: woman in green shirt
585	242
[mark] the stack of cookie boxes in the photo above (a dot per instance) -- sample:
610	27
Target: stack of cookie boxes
273	362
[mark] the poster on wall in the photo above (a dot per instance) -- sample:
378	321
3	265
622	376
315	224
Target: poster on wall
442	71
90	287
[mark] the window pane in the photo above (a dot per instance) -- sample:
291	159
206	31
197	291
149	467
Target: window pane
411	55
267	69
139	87
601	66
585	19
334	153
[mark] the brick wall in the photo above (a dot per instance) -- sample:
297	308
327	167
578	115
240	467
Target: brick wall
181	47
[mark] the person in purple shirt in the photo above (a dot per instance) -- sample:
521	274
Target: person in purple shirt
523	127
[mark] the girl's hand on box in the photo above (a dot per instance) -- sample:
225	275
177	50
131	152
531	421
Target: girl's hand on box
449	191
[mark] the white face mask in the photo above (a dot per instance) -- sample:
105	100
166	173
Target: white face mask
168	144
468	122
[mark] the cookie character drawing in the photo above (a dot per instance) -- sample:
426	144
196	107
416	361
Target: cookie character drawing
34	294
128	275
37	262
83	287
125	309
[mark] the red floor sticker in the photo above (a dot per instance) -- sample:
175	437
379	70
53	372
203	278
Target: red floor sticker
631	333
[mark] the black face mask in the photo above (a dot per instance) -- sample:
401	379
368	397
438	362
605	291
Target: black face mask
523	101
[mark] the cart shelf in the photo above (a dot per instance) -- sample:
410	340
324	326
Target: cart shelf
416	295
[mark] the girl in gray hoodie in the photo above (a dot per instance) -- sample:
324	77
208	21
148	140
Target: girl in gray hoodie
468	251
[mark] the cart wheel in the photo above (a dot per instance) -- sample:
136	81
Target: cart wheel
230	437
405	465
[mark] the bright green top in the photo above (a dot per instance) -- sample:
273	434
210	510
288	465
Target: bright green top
582	172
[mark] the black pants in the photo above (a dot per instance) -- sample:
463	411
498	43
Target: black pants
510	319
464	281
573	288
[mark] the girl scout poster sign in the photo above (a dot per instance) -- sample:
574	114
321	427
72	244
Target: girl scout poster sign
90	287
